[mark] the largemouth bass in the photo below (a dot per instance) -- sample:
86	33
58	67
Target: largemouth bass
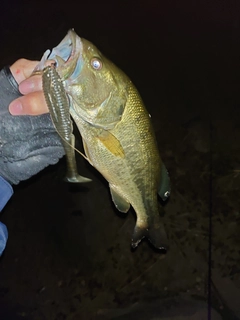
116	130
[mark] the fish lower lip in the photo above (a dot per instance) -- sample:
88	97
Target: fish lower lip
64	49
67	56
60	54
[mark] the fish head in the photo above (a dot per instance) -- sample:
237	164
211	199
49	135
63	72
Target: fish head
97	89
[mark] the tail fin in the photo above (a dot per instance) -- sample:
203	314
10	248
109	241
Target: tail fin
155	234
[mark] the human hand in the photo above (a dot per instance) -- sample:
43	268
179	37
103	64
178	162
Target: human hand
32	102
27	143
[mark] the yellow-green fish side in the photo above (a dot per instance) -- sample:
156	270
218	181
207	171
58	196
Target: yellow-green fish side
127	156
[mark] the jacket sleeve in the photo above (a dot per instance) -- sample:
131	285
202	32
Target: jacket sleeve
6	192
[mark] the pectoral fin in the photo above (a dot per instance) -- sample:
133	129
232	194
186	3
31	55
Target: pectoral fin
164	186
111	143
120	203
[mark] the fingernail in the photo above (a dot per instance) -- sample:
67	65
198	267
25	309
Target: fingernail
16	108
26	86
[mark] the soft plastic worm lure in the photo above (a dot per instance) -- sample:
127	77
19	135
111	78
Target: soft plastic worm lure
58	105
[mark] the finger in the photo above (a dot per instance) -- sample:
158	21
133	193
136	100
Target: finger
22	69
31	84
32	104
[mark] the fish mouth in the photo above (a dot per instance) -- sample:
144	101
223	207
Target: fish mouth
66	55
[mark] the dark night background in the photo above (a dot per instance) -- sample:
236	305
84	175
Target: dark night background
68	254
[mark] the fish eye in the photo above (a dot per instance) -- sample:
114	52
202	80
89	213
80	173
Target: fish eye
96	64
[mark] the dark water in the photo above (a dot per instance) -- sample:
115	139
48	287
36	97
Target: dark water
68	255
